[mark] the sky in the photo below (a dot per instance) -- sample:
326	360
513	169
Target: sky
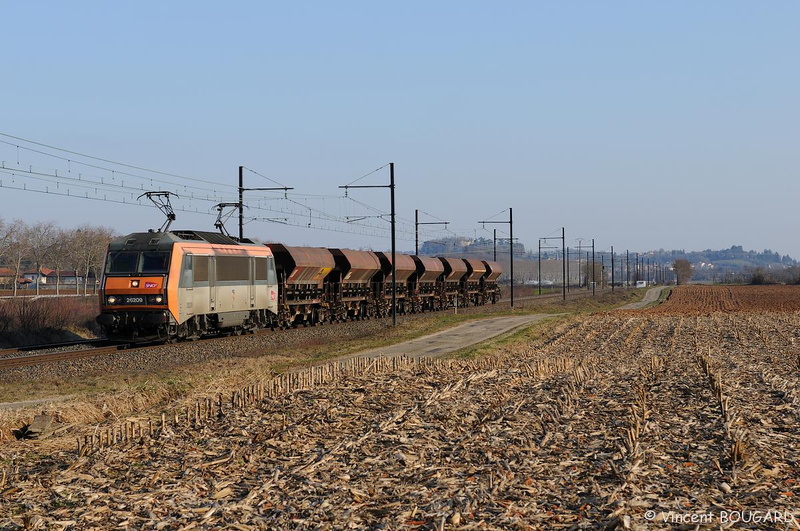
643	125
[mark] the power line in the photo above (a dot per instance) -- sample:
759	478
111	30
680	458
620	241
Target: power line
167	174
114	172
368	174
265	177
80	182
123	186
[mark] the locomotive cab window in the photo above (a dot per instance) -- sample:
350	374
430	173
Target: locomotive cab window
122	262
132	262
272	277
265	270
187	277
154	262
261	269
200	265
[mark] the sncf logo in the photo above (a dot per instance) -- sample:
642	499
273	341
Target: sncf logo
150	285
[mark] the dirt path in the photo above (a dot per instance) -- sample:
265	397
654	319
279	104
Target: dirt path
456	338
474	332
650	297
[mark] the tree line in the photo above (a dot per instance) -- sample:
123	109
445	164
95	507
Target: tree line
28	247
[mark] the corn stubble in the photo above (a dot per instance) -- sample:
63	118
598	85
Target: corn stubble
682	408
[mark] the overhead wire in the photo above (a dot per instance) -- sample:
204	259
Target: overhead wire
123	187
114	172
265	177
367	174
167	174
80	182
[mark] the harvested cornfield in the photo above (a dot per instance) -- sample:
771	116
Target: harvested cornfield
635	419
706	299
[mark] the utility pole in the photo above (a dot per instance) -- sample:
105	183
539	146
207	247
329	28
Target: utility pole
567	261
628	268
394	258
511	246
594	282
390	186
494	242
602	270
563	266
588	283
416	228
612	269
240	205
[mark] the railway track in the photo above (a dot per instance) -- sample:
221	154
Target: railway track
11	358
30	356
51	357
46	346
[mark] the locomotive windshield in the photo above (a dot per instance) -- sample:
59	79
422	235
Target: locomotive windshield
132	262
122	262
154	262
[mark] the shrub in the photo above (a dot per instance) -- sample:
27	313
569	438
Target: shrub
760	277
26	316
6	316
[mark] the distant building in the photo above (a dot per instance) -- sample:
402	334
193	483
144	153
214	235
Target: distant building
49	277
7	277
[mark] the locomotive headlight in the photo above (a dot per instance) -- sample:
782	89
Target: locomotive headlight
134	283
159	299
111	299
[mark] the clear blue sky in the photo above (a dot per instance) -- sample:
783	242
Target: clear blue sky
644	125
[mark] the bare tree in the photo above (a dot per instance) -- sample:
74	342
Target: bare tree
683	270
60	251
90	250
41	237
6	232
5	238
18	252
73	261
104	236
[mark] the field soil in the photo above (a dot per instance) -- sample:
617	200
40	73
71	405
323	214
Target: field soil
682	414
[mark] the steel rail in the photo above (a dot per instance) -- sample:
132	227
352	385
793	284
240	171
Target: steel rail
51	357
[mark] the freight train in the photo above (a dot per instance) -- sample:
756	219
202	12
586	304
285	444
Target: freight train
184	284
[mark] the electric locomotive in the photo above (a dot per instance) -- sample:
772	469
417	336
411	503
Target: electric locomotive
186	284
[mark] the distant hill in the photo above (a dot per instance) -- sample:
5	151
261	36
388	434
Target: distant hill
483	247
726	264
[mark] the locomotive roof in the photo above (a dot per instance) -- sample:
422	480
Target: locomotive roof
160	238
210	237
